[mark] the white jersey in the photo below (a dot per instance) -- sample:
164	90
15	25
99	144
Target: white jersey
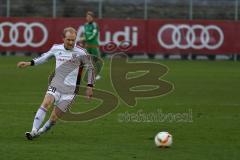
69	65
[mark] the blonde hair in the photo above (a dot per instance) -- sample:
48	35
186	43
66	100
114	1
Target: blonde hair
69	29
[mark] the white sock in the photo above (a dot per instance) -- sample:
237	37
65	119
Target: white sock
39	117
46	126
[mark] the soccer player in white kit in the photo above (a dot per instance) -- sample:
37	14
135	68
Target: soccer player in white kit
65	82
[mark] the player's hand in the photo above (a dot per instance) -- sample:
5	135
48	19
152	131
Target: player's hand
82	39
89	92
23	64
82	42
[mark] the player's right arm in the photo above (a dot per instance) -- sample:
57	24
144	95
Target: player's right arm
36	61
23	64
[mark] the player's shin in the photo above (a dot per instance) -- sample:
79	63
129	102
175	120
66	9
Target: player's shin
47	126
39	117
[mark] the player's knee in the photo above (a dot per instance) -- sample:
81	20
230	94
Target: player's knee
47	102
54	118
53	121
46	105
56	114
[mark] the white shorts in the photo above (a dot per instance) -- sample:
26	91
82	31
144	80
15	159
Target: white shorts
62	101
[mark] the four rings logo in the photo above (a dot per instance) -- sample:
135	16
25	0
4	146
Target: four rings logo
22	34
196	36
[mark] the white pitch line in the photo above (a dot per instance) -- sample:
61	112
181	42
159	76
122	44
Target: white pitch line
225	104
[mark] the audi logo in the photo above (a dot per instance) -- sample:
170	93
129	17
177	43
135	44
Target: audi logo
196	36
22	34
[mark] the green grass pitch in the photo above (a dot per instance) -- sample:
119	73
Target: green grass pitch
210	90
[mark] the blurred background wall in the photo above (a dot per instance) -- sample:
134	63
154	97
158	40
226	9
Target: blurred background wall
224	10
125	9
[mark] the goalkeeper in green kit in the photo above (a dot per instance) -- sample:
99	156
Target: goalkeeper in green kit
89	41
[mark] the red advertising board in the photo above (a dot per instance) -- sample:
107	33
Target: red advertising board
198	36
140	36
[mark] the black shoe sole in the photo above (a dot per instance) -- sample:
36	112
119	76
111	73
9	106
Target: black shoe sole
28	136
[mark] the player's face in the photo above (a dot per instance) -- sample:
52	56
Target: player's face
89	18
69	40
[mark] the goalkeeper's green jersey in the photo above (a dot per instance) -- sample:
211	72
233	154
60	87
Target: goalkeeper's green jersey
91	33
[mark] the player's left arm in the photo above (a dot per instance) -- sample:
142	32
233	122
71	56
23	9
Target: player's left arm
87	61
